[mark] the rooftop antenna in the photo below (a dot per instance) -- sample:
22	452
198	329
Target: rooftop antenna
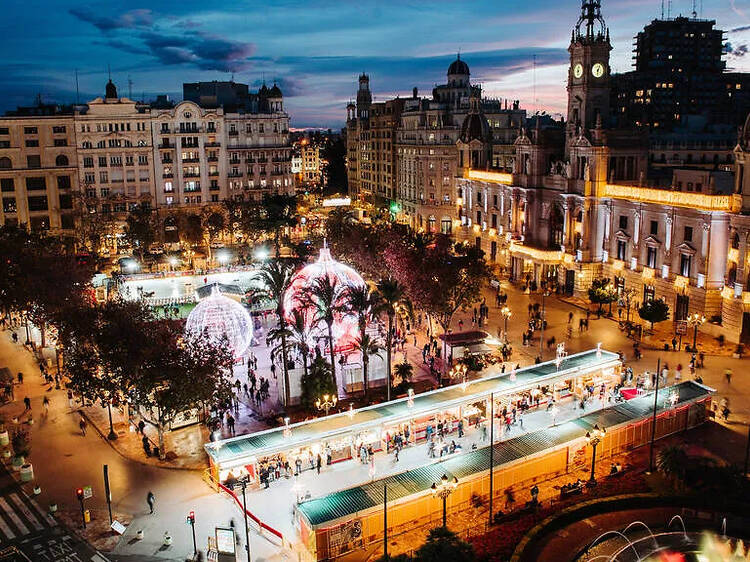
533	78
78	93
695	13
669	9
662	9
109	72
130	88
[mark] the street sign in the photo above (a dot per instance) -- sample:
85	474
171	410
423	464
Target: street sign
680	327
225	542
87	492
117	527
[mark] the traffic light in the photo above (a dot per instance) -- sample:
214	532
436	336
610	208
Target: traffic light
79	494
191	518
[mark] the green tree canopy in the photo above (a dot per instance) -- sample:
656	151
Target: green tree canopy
317	382
443	544
654	310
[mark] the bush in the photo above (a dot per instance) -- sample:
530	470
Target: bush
21	443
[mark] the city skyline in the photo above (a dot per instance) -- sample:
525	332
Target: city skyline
159	49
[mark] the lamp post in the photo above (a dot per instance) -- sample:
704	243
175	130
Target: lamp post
458	372
506	312
593	438
243	484
443	490
696	320
326	403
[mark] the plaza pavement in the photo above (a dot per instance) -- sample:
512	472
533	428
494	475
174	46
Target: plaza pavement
64	460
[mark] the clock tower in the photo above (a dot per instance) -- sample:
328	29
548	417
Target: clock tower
588	75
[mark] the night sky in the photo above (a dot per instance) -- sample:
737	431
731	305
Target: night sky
314	49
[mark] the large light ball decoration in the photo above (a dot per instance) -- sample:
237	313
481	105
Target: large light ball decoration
216	317
345	327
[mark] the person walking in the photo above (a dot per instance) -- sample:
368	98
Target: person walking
20	377
27	403
150	499
230	423
82	425
728	375
45	404
318	463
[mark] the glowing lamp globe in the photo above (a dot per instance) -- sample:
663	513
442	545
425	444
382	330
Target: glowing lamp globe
216	317
345	328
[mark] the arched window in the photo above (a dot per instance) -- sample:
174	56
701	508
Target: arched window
61	160
5	163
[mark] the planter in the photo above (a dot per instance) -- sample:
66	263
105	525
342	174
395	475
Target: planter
139	534
27	472
6	454
53	508
17	463
167	539
37	490
4	439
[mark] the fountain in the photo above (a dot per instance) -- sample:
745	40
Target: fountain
667	546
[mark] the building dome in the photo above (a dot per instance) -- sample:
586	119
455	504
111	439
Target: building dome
275	92
458	67
216	317
110	90
345	327
475	127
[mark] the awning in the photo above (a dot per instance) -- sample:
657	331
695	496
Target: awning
479	348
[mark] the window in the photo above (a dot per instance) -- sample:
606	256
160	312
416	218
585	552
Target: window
33	184
4	131
61	160
66	201
67	222
4	144
60	142
38	203
89	177
621	250
30	131
686	261
623	222
34	161
115	160
649	293
479	218
9	204
445	226
104	191
59	129
142	159
5	163
102	161
651	257
39	223
104	177
6	184
63	182
32	143
88	162
654	228
688	237
494	221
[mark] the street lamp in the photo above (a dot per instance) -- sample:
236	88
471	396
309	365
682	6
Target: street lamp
541	335
459	371
593	438
243	484
326	403
505	311
443	490
696	320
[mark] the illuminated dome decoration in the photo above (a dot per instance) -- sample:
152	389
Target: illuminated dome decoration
345	327
217	316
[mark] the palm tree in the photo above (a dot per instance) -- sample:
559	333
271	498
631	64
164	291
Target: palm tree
324	297
391	294
367	346
362	302
299	334
672	461
403	371
275	277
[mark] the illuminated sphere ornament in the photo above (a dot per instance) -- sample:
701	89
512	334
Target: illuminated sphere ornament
345	328
216	317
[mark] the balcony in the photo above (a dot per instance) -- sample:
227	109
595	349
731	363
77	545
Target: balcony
235	161
214	143
213	174
188	130
166	144
192	160
192	190
233	133
167	176
213	159
166	161
191	175
234	175
213	188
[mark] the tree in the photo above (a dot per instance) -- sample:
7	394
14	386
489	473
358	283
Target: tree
404	371
324	297
390	294
140	228
443	544
367	346
92	226
215	224
272	216
672	461
299	334
602	292
654	310
233	209
317	382
275	277
361	302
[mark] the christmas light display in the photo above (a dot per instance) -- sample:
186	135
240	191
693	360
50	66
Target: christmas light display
345	327
217	316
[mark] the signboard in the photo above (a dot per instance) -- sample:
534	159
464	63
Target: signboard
87	492
117	527
680	327
225	540
337	202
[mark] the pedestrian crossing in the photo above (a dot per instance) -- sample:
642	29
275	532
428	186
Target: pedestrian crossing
21	515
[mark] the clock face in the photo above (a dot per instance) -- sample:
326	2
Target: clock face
578	70
597	70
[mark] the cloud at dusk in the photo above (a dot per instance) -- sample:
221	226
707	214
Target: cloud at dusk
314	50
